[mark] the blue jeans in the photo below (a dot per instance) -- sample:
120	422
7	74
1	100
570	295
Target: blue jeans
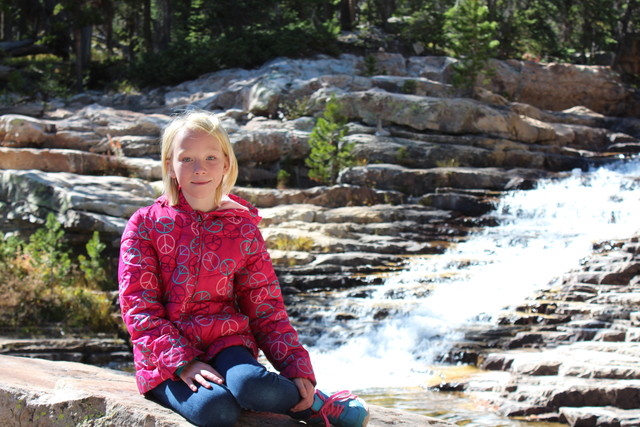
248	385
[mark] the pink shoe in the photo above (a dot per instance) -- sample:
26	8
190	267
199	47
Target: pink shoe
342	409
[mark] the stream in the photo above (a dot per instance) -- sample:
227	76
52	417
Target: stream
384	341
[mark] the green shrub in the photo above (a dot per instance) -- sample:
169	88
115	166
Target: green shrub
401	155
409	87
448	163
93	267
42	284
43	75
283	178
47	253
370	66
425	26
288	243
295	109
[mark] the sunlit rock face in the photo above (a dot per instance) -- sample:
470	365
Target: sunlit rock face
416	140
45	393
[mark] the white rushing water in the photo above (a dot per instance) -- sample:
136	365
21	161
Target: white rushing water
542	234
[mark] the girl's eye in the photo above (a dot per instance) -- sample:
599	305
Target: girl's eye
211	157
186	159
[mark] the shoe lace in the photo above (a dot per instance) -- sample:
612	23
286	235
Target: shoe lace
330	409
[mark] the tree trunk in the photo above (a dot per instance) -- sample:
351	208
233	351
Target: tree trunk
6	24
347	14
82	44
108	29
77	43
146	26
164	25
85	48
385	10
626	19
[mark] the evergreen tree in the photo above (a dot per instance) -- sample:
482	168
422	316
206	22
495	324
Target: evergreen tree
472	39
329	154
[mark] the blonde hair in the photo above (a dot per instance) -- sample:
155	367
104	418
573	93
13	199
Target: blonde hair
210	124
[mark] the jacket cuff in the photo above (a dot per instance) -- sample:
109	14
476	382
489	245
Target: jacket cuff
178	371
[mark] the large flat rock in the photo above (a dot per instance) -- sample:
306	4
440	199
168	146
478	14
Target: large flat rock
37	392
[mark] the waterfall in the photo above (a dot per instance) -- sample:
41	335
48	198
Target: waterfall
541	234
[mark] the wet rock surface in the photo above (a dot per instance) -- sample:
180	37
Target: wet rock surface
572	353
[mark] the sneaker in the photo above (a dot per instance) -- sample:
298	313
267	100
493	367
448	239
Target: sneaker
342	409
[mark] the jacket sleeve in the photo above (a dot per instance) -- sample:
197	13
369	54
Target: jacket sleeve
260	298
157	344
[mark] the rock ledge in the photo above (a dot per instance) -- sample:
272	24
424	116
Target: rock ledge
42	393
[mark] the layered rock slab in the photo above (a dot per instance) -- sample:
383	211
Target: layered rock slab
42	393
571	353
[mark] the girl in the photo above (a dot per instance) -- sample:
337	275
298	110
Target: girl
200	297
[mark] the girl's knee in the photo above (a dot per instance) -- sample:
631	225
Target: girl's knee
267	393
220	414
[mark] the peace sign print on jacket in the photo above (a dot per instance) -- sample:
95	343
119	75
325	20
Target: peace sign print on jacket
193	284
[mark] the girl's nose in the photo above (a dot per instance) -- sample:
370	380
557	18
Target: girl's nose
198	167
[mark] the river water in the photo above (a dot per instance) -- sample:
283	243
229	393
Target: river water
541	234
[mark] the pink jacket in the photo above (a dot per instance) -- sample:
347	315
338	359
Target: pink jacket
192	284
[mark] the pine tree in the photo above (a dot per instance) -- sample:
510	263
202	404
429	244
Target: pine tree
329	154
472	39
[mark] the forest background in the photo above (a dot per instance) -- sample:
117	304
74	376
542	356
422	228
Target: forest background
54	48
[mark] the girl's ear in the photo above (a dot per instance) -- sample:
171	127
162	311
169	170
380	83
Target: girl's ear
170	170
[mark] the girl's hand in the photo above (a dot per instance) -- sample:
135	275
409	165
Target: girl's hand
307	391
197	372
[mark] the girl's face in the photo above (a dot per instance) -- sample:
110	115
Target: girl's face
199	165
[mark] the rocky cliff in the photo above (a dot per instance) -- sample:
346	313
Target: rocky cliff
427	159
